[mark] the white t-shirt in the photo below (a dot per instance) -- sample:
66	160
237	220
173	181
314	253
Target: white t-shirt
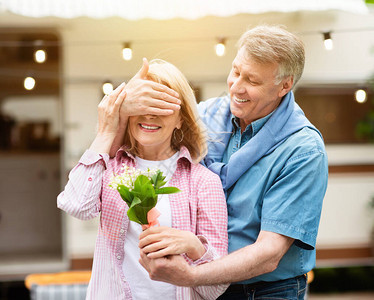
142	287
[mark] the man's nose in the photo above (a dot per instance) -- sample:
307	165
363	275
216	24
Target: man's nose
237	86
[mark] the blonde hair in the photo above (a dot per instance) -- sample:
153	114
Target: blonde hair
194	133
269	44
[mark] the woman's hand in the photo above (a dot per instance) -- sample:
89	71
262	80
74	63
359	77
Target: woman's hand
161	241
108	119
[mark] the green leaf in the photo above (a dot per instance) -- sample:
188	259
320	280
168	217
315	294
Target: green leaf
138	211
125	194
143	187
158	180
168	190
132	212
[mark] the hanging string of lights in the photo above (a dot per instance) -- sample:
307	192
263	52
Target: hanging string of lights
40	51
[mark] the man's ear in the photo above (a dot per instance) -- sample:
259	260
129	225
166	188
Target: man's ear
287	84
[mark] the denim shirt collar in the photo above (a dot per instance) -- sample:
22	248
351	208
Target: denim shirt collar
254	127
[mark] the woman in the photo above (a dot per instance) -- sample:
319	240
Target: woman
193	222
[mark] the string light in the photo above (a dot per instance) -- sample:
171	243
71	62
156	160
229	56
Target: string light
127	52
40	55
107	87
220	47
327	40
360	96
29	83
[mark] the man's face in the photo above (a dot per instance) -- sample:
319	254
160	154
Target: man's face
252	87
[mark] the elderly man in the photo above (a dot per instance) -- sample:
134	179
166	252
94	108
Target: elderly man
273	166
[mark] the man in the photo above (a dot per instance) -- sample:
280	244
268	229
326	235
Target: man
273	166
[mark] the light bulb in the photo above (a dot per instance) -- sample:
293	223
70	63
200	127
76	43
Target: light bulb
29	83
360	96
107	88
327	41
329	45
220	47
127	52
40	56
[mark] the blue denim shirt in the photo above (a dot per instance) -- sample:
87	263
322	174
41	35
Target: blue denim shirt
281	192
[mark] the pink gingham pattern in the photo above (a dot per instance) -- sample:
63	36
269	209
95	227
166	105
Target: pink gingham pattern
199	208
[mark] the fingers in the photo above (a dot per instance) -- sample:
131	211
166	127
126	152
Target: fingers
161	253
166	91
144	260
113	95
152	230
142	73
120	98
150	239
115	98
158	111
154	247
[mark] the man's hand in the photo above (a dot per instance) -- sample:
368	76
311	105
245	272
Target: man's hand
251	261
163	241
145	97
172	269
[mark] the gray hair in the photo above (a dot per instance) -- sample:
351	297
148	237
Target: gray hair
274	44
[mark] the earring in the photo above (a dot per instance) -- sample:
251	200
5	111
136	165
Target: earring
175	138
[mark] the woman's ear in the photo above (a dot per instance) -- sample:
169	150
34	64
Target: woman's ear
180	123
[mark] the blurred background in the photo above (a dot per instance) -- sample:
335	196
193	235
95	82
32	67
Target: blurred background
56	57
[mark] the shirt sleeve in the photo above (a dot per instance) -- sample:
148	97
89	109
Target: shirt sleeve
292	206
81	197
211	230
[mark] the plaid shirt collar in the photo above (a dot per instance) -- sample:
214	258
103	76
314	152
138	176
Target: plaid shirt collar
183	153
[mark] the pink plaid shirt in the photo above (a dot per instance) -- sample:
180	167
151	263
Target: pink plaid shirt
199	208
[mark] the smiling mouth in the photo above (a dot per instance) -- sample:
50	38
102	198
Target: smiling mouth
240	100
149	127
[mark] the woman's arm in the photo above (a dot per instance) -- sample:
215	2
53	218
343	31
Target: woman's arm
81	196
211	221
211	226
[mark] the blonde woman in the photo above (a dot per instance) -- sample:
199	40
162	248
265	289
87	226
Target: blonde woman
193	223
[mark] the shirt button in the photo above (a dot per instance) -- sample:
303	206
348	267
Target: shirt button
119	257
89	178
122	231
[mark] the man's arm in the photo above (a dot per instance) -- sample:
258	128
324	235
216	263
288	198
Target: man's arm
259	258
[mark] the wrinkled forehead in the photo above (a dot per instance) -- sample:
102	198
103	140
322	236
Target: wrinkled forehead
252	65
244	56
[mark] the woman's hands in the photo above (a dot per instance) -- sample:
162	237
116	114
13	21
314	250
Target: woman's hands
108	120
162	241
